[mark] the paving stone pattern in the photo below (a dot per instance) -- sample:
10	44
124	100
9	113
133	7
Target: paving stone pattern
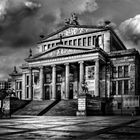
67	128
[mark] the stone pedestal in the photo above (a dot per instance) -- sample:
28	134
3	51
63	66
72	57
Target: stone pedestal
82	105
5	108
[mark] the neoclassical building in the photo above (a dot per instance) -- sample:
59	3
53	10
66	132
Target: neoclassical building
76	54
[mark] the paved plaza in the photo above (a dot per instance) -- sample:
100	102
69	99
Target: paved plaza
65	128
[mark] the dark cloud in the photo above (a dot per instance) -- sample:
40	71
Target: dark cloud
130	30
12	15
23	21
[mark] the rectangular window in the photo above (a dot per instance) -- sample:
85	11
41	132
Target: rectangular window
66	42
71	77
49	45
36	78
119	87
52	44
114	72
120	71
44	47
126	87
70	42
79	42
17	85
93	40
84	41
75	42
59	78
20	94
90	72
89	41
114	88
125	71
27	80
20	85
27	92
48	78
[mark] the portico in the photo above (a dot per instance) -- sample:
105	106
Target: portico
62	80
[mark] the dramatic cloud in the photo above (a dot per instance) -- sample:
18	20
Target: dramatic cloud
13	13
130	29
81	6
23	21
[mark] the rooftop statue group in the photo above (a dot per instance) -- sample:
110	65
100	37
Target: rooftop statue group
73	20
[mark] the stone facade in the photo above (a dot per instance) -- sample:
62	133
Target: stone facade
77	54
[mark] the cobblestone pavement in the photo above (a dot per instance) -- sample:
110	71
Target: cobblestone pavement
65	128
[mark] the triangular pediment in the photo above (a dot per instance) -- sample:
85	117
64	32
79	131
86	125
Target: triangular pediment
61	51
72	30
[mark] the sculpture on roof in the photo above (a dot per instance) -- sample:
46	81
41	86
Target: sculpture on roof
61	37
15	69
30	52
73	20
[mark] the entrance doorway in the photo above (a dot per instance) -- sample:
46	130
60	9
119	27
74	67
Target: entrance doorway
47	92
58	92
71	91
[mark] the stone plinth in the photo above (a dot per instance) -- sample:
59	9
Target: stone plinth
5	108
82	105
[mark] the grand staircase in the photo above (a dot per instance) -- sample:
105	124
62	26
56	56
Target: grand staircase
63	108
34	107
16	104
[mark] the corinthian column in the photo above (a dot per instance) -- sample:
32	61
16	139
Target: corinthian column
81	75
30	84
42	82
23	86
67	79
54	82
97	86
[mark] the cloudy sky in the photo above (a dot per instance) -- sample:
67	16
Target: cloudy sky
22	21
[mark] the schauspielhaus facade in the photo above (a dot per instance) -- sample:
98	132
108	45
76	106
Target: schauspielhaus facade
76	54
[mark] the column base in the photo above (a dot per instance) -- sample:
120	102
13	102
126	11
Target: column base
81	113
53	99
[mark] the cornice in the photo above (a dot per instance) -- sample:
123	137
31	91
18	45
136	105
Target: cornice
67	55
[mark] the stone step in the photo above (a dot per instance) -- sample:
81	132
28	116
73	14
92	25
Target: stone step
34	107
63	108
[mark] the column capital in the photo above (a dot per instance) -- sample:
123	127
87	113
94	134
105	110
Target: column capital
53	65
81	62
96	59
66	64
41	67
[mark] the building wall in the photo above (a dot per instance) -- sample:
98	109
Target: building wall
118	100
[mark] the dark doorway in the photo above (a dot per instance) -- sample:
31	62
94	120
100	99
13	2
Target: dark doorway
71	91
58	92
47	92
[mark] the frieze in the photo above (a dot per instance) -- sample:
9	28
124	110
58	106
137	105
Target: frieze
65	59
60	52
71	31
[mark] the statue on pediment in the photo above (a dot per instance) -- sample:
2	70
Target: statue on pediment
73	20
15	70
30	53
67	21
